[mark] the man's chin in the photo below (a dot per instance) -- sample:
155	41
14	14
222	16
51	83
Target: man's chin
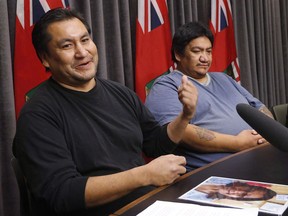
202	74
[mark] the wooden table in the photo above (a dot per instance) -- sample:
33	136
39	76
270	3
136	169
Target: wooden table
263	163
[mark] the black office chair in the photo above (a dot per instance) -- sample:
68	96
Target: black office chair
280	113
25	204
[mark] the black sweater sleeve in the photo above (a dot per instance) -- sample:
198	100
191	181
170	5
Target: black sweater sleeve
48	166
156	141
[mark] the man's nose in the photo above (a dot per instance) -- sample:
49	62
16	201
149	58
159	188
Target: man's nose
80	51
203	57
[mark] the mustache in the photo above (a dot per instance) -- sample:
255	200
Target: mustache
203	64
83	62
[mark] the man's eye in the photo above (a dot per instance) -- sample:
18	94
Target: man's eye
85	40
66	46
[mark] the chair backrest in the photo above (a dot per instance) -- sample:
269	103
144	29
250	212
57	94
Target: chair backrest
25	204
280	113
149	85
32	91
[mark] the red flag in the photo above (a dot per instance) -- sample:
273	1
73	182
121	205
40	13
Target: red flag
224	48
28	70
153	43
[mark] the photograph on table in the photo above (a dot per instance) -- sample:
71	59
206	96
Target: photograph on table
267	197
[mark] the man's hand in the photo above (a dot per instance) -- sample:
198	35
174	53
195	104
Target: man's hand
164	169
188	95
247	139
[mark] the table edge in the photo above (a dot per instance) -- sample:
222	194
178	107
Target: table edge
155	191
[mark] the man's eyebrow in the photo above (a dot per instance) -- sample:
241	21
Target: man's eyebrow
202	48
64	40
85	35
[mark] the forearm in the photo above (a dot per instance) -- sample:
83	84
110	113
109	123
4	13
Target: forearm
177	127
103	189
203	140
160	171
188	95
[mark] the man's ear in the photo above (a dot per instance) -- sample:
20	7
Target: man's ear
44	61
177	56
43	58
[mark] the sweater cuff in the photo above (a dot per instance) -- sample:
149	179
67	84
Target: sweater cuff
76	194
169	146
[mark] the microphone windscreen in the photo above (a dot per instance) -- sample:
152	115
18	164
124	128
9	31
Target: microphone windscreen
273	131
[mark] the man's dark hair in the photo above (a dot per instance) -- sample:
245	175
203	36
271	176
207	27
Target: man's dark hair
185	34
40	36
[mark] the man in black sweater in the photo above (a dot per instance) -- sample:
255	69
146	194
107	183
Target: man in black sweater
80	139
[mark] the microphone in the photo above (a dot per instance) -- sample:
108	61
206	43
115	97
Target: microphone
273	131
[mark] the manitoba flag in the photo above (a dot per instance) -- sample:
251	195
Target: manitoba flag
28	70
224	48
153	44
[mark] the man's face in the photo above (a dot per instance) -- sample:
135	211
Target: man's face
72	55
243	192
197	58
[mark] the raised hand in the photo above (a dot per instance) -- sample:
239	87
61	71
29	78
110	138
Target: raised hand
188	95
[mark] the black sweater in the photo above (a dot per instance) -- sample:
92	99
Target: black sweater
65	136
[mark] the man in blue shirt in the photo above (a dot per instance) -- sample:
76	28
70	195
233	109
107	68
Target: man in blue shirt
216	130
